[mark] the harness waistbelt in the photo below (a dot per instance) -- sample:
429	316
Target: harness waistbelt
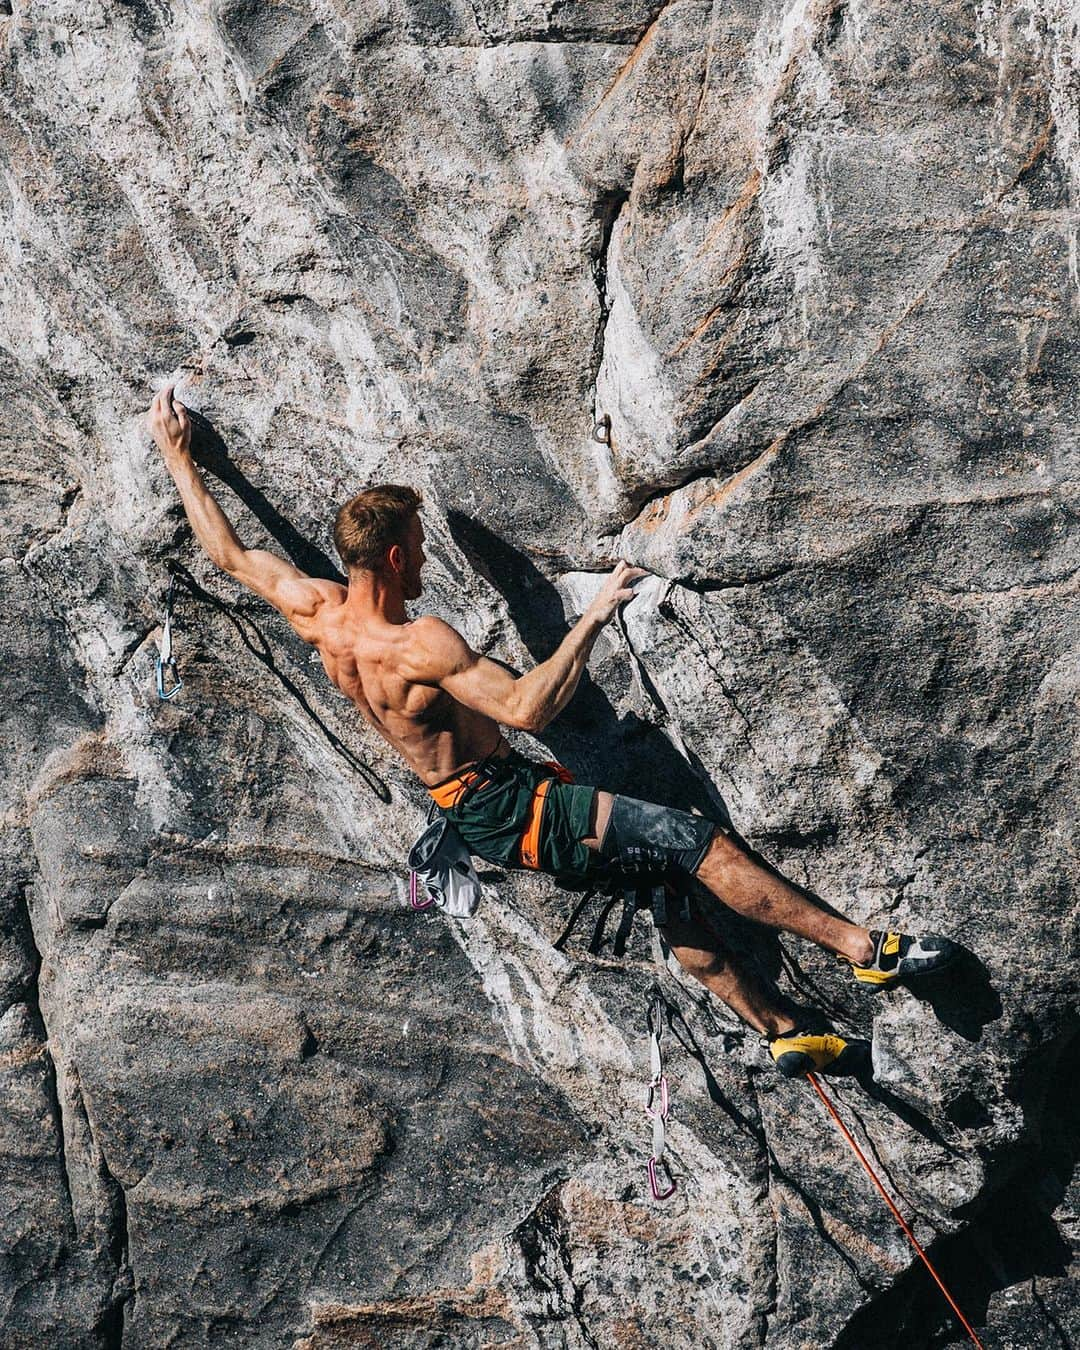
447	794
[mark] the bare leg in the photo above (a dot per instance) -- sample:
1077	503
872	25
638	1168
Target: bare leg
750	890
698	952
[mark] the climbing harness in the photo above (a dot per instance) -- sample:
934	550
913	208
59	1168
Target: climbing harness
166	662
455	790
658	1103
895	1212
646	893
601	431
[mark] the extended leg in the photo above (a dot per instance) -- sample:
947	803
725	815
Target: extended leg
751	890
795	1049
758	894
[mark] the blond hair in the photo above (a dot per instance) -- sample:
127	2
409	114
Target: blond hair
371	522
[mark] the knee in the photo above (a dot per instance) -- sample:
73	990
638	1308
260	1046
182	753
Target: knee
700	962
722	851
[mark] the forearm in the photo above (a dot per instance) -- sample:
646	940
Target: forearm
209	522
548	688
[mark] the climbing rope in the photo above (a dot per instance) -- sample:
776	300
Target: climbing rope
895	1212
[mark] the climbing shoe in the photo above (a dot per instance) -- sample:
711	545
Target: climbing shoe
897	957
818	1049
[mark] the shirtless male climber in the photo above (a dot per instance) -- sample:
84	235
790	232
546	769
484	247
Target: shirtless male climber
440	705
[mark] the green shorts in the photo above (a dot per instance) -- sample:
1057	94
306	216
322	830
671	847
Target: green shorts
492	819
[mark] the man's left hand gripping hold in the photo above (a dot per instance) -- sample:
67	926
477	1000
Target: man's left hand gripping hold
289	590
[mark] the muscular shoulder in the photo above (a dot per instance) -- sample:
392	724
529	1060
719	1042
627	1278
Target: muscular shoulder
322	593
433	650
289	590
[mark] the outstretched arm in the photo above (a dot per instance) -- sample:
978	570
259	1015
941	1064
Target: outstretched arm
288	589
442	657
170	427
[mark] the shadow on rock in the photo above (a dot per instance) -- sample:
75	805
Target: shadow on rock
252	638
1011	1238
962	997
211	452
904	1111
682	1032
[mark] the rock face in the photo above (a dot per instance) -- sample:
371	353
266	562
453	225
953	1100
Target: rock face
817	263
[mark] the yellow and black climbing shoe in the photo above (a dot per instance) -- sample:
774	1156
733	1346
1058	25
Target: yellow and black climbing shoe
897	957
818	1049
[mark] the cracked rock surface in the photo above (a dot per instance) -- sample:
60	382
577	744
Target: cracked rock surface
816	262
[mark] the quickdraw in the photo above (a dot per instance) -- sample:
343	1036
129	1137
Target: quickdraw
658	1104
166	662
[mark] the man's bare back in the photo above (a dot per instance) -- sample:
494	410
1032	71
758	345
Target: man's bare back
374	663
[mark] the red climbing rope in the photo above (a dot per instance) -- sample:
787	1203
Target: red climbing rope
896	1213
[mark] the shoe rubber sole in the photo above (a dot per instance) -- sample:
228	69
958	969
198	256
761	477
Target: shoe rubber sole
908	968
851	1061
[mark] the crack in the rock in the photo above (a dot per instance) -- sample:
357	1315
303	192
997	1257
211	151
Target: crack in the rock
871	1144
704	83
668	610
541	1236
772	1289
67	501
707	585
774	1169
548	37
130	649
123	1291
644	678
32	998
1051	1320
111	1323
552	34
668	487
577	1299
610	209
480	28
817	1218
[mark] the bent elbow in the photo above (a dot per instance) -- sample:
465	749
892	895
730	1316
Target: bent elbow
527	717
230	562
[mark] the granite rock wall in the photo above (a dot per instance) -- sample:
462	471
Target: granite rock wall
815	262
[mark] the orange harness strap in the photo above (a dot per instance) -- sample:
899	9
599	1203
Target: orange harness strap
530	839
446	794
